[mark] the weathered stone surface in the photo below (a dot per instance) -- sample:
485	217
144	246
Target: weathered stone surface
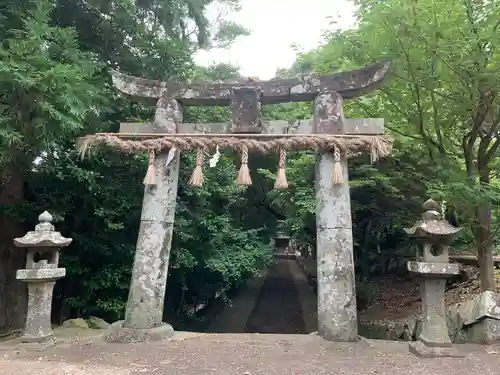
485	305
328	113
41	274
40	277
75	323
97	323
433	269
149	276
434	328
432	228
485	331
38	326
166	115
145	302
421	350
476	320
246	110
333	203
117	332
370	126
349	84
337	317
44	235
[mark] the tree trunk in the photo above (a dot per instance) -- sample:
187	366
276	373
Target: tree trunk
13	294
484	239
485	247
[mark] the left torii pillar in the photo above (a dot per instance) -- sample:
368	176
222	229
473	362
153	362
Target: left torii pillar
144	311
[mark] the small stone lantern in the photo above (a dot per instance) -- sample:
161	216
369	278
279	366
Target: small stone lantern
41	272
432	267
282	244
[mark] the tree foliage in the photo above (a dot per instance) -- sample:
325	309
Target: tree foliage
55	87
441	105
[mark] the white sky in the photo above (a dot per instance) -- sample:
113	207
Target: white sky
276	25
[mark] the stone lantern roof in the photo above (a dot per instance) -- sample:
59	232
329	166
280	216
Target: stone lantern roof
44	235
432	226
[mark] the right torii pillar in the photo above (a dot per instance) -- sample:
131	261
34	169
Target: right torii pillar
337	315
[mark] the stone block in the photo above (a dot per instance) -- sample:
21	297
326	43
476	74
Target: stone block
476	320
120	334
421	350
97	323
433	269
38	345
75	323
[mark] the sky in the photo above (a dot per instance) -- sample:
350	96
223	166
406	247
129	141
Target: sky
275	25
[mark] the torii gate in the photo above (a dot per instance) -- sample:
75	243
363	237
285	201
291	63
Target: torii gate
337	315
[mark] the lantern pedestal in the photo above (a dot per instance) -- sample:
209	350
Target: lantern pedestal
432	268
434	340
38	328
41	273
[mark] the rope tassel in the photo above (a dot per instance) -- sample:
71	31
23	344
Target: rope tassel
196	179
149	179
281	182
338	177
244	173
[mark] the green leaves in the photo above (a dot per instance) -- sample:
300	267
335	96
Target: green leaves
45	83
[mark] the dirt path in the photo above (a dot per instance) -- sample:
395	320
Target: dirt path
307	297
278	308
233	318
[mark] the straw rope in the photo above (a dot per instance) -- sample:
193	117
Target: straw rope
378	146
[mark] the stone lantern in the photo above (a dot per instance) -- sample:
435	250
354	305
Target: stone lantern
432	267
282	243
41	272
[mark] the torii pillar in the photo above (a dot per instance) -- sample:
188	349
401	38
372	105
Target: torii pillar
337	314
144	312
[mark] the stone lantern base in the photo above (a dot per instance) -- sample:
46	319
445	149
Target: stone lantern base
434	339
38	333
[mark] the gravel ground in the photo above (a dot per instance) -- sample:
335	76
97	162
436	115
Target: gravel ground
246	354
277	309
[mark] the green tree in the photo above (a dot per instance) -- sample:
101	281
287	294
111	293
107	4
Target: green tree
47	95
55	87
443	99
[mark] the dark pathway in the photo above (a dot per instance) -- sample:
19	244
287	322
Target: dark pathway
278	308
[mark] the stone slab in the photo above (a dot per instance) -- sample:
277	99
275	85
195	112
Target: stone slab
485	305
485	331
120	334
373	126
36	346
433	269
40	274
421	350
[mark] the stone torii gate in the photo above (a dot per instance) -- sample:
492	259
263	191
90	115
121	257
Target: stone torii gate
337	316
